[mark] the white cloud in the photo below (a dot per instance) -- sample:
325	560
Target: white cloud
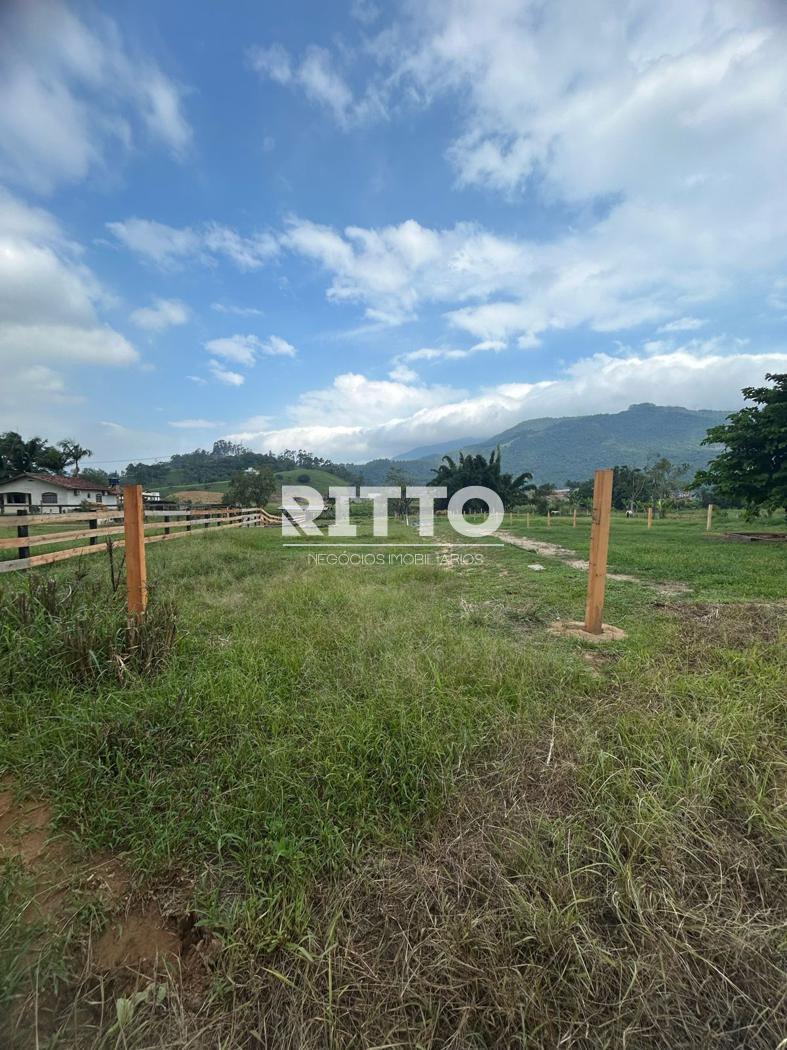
169	246
501	288
238	348
165	313
195	424
72	94
403	374
388	416
323	84
238	311
275	346
683	324
224	375
364	11
197	379
48	304
244	349
317	76
658	129
99	345
273	62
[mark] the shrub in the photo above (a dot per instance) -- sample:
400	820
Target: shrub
75	628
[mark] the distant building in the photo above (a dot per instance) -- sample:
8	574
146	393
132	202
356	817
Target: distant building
52	494
561	494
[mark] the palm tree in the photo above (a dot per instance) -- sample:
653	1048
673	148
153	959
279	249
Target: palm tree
477	470
74	452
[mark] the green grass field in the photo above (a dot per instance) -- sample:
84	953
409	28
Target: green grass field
381	805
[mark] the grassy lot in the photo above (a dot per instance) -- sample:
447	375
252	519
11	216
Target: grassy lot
381	805
678	548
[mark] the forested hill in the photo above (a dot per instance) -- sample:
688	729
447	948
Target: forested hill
558	449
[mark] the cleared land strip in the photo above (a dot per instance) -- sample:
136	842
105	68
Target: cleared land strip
569	557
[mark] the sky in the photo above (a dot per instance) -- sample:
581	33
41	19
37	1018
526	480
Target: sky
358	227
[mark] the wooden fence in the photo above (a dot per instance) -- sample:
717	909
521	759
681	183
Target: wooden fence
94	526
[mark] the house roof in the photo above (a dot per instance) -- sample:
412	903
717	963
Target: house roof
61	481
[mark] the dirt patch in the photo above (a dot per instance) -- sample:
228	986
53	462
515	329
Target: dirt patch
24	827
576	629
756	537
198	496
733	624
144	936
141	935
568	557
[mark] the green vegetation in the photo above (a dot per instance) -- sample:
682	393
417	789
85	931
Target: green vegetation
318	479
37	456
752	469
250	488
478	470
201	468
389	808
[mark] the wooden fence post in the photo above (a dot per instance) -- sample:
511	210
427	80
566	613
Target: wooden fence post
21	532
93	524
574	522
136	569
650	517
549	519
599	546
709	521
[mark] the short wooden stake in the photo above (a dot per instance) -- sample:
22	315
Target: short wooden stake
599	546
574	522
549	519
709	521
136	569
22	531
650	516
528	519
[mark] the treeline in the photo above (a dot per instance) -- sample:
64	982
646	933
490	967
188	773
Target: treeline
38	456
224	459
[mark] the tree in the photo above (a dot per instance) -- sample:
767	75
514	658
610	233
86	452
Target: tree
542	497
98	477
73	452
581	493
18	456
752	469
250	488
52	460
476	470
399	478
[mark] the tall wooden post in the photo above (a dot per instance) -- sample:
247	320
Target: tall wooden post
528	520
574	522
650	516
549	519
136	569
599	546
709	521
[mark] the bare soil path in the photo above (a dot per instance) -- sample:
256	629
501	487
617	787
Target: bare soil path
569	557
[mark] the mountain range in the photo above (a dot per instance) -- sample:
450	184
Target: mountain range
558	449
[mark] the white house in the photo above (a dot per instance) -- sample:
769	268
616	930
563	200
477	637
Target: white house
52	494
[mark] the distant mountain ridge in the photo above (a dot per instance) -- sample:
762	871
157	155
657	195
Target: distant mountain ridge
559	449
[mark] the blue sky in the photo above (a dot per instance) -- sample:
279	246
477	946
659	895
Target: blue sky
361	227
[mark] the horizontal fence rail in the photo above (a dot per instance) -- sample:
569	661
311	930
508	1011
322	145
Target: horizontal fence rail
104	525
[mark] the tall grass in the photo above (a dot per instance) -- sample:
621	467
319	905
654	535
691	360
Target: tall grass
408	816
